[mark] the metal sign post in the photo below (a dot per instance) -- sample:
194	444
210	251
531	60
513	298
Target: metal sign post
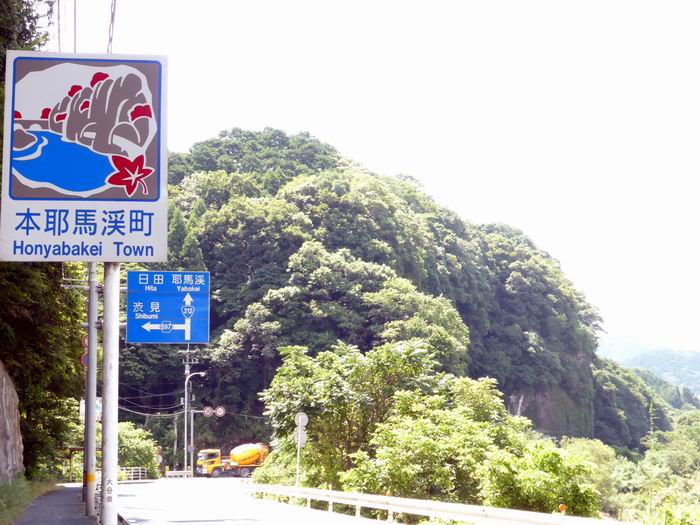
91	392
110	394
300	437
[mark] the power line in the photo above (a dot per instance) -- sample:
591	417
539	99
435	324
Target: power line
162	383
247	415
139	405
176	393
150	415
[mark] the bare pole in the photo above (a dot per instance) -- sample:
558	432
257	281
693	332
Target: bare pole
75	26
187	403
110	394
192	465
91	392
298	455
58	24
175	443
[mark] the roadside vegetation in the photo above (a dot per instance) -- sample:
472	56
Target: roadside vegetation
15	496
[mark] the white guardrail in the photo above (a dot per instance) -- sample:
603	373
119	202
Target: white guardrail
431	509
179	474
133	473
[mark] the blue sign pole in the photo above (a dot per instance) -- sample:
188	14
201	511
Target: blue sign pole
168	307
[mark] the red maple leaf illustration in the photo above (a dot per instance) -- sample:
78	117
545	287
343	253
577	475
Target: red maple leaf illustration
130	173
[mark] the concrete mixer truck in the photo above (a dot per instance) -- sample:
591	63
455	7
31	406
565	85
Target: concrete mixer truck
242	460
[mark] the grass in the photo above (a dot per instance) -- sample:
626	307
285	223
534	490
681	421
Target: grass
17	495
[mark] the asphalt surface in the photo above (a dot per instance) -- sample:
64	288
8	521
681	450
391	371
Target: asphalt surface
218	501
62	506
195	501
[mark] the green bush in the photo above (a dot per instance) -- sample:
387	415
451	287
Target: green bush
17	495
137	448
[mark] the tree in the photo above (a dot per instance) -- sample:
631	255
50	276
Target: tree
602	462
40	330
177	231
435	445
626	409
346	394
136	448
540	479
334	296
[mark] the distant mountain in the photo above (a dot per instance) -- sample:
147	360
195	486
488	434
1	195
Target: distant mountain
680	368
621	349
674	395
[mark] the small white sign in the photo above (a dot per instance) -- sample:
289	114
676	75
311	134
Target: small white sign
85	158
300	437
98	409
301	419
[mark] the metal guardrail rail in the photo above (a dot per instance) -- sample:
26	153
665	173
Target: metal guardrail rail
179	474
431	509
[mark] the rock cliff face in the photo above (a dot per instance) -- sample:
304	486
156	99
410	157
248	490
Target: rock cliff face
10	437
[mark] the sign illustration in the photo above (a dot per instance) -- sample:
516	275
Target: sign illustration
84	159
167	307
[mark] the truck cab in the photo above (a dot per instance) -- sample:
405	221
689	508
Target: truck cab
210	463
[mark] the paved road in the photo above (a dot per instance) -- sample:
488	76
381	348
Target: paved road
201	501
62	506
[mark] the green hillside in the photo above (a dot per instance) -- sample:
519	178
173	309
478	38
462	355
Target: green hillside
681	368
305	248
677	396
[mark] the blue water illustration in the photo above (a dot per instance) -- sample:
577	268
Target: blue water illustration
64	165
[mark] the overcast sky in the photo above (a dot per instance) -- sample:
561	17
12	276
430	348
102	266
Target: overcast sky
577	122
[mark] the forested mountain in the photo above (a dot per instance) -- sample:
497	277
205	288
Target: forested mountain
681	368
676	396
304	248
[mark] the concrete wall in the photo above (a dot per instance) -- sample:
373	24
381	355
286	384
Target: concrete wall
10	437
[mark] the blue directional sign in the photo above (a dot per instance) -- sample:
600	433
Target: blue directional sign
167	307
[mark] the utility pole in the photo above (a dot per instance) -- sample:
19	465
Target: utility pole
187	405
89	449
192	465
110	394
175	441
187	361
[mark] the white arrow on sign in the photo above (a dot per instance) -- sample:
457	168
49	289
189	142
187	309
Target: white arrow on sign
151	326
167	326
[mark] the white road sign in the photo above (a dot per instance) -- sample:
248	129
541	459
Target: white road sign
85	158
301	419
300	437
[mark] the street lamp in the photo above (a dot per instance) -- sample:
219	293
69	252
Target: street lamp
187	407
